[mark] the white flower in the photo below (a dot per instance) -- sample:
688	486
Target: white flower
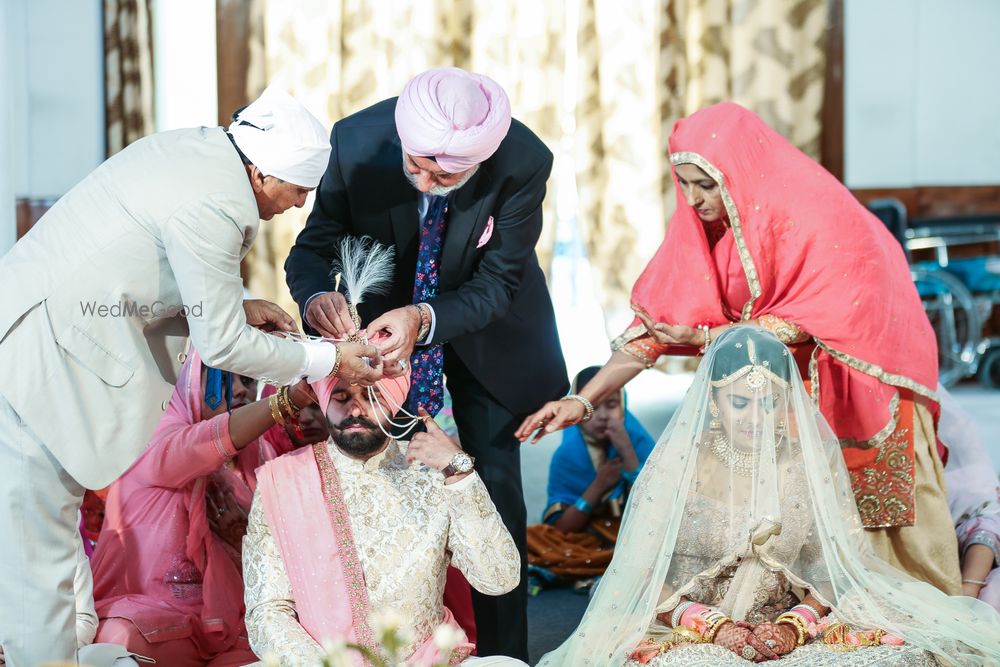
392	629
447	637
337	654
405	634
386	621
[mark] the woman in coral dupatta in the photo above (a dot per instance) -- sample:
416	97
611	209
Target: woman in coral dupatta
167	573
764	235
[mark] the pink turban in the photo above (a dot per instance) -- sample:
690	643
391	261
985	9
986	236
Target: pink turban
390	391
454	116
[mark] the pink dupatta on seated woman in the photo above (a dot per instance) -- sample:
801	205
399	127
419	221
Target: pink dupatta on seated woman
158	564
317	548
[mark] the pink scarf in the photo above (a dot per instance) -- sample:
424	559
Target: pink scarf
456	117
318	551
811	254
221	617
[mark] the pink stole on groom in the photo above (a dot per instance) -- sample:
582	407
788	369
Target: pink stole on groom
321	560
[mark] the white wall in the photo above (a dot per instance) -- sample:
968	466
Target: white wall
922	92
184	64
58	86
11	47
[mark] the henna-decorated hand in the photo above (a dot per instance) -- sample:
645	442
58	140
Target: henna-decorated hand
738	637
783	636
732	637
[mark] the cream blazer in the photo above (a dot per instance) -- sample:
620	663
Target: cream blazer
98	299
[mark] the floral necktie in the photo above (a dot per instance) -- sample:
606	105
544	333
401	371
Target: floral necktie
427	363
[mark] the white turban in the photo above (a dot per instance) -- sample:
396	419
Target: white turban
282	138
454	116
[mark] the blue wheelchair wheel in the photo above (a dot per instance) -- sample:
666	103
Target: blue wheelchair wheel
989	369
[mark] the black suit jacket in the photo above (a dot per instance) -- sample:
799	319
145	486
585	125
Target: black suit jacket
493	305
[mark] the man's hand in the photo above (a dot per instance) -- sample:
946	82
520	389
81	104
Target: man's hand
359	364
434	448
666	334
268	316
395	335
329	315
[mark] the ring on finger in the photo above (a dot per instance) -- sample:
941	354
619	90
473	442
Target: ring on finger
770	643
748	652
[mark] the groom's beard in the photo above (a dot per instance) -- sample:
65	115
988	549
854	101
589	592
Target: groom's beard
440	190
358	442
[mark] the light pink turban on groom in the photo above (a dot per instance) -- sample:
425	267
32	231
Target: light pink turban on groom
391	392
456	117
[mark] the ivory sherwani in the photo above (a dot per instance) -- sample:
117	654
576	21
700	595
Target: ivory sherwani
407	527
91	341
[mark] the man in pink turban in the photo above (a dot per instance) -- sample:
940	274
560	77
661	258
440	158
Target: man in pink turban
445	175
348	530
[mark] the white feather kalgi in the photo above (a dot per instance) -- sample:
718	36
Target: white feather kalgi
365	267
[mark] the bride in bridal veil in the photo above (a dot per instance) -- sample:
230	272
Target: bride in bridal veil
742	542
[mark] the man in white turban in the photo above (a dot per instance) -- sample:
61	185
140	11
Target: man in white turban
443	174
98	301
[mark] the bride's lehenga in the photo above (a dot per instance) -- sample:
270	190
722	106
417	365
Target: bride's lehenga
745	505
702	537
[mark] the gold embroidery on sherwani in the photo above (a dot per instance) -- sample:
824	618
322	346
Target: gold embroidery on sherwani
407	527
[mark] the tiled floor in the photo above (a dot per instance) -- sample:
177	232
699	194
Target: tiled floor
984	406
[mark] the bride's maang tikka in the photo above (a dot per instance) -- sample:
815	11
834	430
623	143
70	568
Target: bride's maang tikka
757	374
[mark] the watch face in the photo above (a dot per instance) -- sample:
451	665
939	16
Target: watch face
462	462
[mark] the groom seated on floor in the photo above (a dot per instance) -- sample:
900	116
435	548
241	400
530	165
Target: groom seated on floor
362	525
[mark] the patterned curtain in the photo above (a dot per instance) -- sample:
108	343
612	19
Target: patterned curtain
645	65
128	72
601	82
339	56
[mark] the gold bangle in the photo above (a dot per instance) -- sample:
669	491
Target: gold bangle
276	410
336	363
797	622
291	404
588	407
682	634
285	404
713	628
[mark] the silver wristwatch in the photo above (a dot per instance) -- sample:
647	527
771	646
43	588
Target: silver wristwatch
460	464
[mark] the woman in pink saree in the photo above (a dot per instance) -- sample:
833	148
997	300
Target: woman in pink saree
764	235
167	572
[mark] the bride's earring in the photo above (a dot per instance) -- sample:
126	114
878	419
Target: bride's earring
714	424
782	428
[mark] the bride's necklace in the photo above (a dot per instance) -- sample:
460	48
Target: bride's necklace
739	460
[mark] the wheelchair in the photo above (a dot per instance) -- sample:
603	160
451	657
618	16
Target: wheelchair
959	295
